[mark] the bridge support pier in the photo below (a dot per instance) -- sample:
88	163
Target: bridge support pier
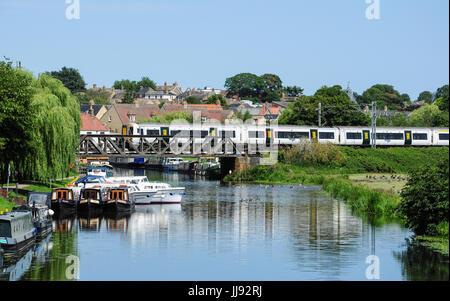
237	163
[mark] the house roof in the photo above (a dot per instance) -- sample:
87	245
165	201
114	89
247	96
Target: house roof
140	111
84	108
91	123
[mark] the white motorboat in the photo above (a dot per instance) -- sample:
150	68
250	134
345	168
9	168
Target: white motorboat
144	192
172	164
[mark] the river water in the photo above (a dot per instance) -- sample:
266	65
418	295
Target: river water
229	232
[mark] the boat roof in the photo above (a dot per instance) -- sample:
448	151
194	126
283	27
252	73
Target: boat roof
89	179
14	214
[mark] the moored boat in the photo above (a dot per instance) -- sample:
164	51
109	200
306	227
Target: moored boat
64	199
90	199
157	193
39	204
17	232
172	164
118	199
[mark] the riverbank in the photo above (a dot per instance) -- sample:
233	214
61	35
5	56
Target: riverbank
368	180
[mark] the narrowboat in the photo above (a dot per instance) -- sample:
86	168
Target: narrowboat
17	231
39	203
90	200
64	199
118	199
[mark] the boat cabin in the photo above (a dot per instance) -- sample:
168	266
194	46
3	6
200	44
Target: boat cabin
118	194
39	198
91	194
16	227
62	194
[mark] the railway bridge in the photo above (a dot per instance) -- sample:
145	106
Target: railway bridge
231	154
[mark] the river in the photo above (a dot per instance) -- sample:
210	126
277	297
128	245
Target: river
229	232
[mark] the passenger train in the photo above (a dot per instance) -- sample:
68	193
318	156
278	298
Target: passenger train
288	134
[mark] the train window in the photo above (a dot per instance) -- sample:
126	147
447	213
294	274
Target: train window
326	135
153	132
291	135
443	136
256	134
389	136
228	134
197	134
354	136
420	136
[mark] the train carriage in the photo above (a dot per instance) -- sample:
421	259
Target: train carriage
440	136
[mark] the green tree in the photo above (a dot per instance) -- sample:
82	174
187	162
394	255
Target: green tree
169	117
441	92
71	78
425	201
213	100
16	114
244	116
146	82
337	109
272	82
271	96
429	116
99	96
129	96
426	96
293	91
245	85
396	120
193	100
383	95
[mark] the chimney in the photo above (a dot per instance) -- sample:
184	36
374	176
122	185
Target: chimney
175	84
121	87
218	102
91	109
185	104
104	87
165	87
94	86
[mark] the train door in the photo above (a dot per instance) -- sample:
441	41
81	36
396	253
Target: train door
314	135
165	134
213	133
408	140
269	137
366	137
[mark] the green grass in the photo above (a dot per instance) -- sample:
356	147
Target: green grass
45	187
4	204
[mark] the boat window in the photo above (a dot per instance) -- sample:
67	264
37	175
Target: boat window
326	135
443	136
420	136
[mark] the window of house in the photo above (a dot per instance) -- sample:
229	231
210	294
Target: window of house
109	118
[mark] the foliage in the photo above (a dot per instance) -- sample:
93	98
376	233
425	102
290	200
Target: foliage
245	85
42	125
71	78
129	96
128	85
397	119
337	109
425	201
426	96
441	92
244	116
178	116
193	100
314	153
99	96
213	100
383	95
293	91
272	82
429	116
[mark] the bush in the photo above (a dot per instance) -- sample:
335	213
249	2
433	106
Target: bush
425	199
307	152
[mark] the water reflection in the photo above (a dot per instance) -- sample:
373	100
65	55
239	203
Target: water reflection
233	232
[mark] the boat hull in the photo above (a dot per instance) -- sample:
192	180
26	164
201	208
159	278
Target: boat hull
164	196
118	206
64	206
14	248
89	205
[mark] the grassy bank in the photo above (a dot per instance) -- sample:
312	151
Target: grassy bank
5	204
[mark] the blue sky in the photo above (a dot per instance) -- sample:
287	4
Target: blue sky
200	43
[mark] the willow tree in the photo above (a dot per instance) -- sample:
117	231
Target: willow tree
51	137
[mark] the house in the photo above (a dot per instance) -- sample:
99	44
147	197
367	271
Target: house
121	114
92	125
93	109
